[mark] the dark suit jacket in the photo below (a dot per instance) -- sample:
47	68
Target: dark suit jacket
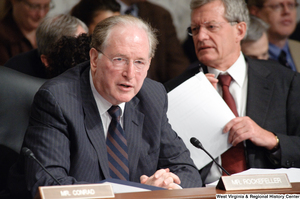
169	60
29	63
66	134
273	103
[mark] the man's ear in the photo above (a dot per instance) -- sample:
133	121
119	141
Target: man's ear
93	58
44	60
241	30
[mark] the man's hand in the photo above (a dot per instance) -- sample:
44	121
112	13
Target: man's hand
162	178
244	128
212	79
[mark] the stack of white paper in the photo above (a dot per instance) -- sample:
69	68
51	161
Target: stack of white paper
197	110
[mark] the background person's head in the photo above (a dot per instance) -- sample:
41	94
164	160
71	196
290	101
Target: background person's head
281	15
217	28
66	53
256	44
92	12
122	48
53	28
29	13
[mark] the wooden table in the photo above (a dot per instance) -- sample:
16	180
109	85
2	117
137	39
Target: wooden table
205	192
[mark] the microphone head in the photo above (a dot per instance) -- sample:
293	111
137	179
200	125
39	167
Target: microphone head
27	152
196	143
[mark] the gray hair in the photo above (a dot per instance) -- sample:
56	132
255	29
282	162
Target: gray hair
235	10
103	30
256	29
53	28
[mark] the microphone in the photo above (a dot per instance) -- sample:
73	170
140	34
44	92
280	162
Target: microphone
198	144
27	152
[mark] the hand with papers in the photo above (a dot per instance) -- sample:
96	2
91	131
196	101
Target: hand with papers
162	178
211	78
244	128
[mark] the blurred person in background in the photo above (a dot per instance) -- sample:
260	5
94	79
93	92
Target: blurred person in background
48	32
281	15
256	44
18	26
66	53
92	12
169	60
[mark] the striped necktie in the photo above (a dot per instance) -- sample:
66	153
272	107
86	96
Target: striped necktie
116	145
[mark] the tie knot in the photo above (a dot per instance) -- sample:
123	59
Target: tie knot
282	54
282	59
225	80
115	112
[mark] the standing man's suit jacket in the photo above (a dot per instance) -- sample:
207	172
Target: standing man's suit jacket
273	102
65	132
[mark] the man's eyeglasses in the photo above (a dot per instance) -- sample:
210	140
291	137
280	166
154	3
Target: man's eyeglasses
279	7
211	26
37	7
120	63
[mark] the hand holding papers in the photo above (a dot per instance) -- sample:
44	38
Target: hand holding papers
197	110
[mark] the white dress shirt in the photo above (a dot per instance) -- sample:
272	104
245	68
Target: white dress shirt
103	106
238	89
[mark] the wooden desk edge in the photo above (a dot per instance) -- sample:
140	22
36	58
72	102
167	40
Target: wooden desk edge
204	192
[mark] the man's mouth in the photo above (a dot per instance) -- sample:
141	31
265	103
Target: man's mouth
125	85
204	47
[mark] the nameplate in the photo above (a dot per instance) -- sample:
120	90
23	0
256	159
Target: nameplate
77	191
257	181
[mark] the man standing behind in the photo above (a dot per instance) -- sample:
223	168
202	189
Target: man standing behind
281	15
262	94
103	119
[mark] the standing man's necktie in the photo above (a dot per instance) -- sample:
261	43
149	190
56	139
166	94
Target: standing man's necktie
282	59
116	145
233	160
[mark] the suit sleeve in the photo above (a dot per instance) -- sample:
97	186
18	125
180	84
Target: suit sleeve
48	138
290	142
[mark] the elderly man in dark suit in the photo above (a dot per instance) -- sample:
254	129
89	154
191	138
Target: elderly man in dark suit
74	119
265	95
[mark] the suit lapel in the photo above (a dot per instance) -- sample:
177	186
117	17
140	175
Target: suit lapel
93	123
260	90
133	127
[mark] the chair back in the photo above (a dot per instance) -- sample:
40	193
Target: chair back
16	95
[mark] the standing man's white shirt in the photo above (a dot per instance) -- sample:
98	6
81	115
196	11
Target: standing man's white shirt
238	89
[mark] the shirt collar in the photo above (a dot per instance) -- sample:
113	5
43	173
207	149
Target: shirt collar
102	104
237	71
275	51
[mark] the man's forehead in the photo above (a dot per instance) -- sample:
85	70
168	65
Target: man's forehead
217	17
210	11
